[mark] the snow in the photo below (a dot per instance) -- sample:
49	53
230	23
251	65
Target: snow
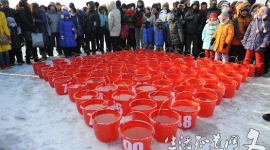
34	117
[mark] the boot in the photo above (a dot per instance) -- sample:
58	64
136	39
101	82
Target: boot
28	62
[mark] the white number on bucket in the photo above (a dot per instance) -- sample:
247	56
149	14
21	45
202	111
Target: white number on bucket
90	121
186	123
119	108
100	96
136	146
65	87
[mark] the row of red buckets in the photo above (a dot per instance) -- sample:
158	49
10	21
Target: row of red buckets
161	91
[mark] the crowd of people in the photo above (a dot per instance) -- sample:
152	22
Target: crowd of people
235	32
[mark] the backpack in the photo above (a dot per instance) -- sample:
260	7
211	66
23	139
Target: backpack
124	31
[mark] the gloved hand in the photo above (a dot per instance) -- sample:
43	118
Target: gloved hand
62	37
212	41
225	45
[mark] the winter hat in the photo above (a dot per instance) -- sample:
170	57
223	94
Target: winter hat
225	7
213	15
64	7
118	3
251	2
148	8
225	14
71	5
73	9
66	14
141	2
11	19
57	3
159	20
96	4
4	1
124	5
166	4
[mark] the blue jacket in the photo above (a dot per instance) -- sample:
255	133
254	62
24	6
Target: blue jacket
65	29
103	20
148	34
78	21
253	40
41	23
159	36
207	34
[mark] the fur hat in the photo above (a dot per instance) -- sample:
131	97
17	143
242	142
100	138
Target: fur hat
148	8
265	9
64	7
166	4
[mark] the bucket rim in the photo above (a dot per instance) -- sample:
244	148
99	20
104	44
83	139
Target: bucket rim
160	110
119	116
131	122
136	100
94	100
179	101
211	100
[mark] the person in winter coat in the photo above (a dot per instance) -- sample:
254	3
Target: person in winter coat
123	12
24	16
16	44
77	18
213	8
9	12
68	35
241	24
256	39
40	22
91	23
54	18
130	20
208	32
4	48
138	15
164	12
267	52
175	35
155	10
254	8
103	26
195	24
223	37
159	35
147	29
114	24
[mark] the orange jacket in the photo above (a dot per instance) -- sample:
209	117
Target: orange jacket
224	34
240	26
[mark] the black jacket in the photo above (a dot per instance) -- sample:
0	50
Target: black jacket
9	12
194	20
15	38
90	17
23	21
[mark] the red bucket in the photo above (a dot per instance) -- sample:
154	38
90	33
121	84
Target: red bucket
230	85
196	83
185	95
94	82
45	71
207	103
136	135
37	64
40	71
165	123
106	120
73	88
71	71
188	112
52	75
61	84
82	96
122	100
163	99
251	68
80	77
175	78
163	85
110	78
124	85
143	91
57	61
106	91
219	89
243	71
143	106
235	76
209	78
189	73
89	107
141	79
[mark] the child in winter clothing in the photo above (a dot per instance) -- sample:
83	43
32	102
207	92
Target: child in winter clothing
208	31
176	35
15	42
241	24
130	20
256	39
4	48
223	37
68	35
159	35
103	26
148	21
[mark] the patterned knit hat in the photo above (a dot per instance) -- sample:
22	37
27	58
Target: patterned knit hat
213	15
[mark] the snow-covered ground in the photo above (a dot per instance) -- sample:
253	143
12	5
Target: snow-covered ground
34	117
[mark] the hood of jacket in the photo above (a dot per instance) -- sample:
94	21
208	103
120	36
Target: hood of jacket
111	6
100	8
196	3
244	8
66	14
255	6
52	4
92	4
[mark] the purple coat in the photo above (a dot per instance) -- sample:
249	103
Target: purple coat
253	40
